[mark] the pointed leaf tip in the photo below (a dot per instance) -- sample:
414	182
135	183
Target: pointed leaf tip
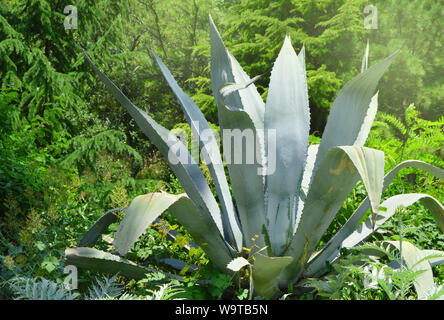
237	264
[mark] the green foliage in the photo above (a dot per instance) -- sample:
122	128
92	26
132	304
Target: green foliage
85	151
32	289
415	138
104	288
359	275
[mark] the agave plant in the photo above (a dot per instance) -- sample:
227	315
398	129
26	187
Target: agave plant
285	207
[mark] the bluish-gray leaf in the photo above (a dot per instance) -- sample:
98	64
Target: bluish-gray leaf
287	114
226	69
336	176
368	121
246	180
210	150
330	250
97	260
205	233
350	108
391	204
306	179
142	211
99	227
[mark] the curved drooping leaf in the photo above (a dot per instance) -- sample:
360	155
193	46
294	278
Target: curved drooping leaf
210	150
331	249
99	227
336	176
237	264
178	264
173	150
204	232
390	205
98	260
142	212
144	209
266	273
287	114
246	180
349	110
434	257
414	259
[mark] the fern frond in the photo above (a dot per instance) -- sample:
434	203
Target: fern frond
86	150
43	289
392	120
105	289
166	291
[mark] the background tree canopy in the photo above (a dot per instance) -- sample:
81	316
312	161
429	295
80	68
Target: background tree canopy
56	96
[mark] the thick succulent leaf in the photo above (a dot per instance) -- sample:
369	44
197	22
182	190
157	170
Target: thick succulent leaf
246	180
287	114
330	250
390	205
245	111
226	69
434	257
349	110
368	121
414	259
204	232
301	57
181	162
144	209
97	260
178	264
142	212
336	176
211	153
309	165
266	272
306	179
99	227
237	264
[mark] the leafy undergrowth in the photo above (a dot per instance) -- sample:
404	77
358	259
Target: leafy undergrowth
37	228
